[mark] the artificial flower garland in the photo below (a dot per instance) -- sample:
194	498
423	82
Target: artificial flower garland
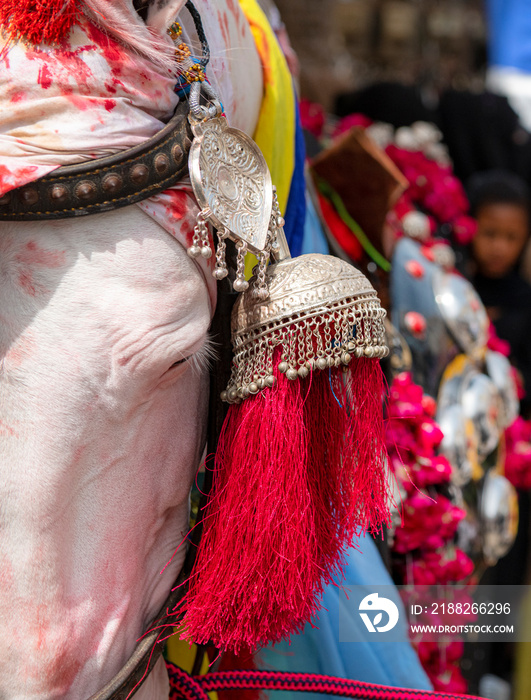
433	188
423	549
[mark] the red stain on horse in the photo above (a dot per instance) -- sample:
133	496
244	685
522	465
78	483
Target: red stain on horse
81	103
61	666
44	78
179	206
109	48
32	254
75	66
25	280
224	25
6	429
179	210
20	351
13	177
234	9
62	66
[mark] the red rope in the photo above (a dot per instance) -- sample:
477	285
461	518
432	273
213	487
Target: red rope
182	685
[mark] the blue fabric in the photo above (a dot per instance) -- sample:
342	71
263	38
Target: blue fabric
318	650
510	33
314	239
295	214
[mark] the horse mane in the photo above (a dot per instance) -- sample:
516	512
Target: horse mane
119	19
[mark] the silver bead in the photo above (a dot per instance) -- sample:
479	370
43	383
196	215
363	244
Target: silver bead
303	371
359	352
220	273
260	383
223	396
330	361
206	252
292	374
194	251
280	221
245	393
261	293
270	381
346	358
233	395
240	285
369	351
253	388
283	367
322	363
351	346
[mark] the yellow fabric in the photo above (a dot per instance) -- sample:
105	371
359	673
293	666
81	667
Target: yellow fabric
522	677
275	133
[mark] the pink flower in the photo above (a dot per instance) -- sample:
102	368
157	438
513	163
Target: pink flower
427	523
429	435
518	453
450	680
434	190
312	117
443	566
351	120
497	344
403	206
429	405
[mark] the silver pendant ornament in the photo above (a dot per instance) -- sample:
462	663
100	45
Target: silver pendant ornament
232	185
319	311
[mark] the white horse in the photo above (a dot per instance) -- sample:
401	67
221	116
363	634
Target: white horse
102	427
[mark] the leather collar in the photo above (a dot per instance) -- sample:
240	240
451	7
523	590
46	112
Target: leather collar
106	183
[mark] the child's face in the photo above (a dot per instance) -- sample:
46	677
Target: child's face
501	236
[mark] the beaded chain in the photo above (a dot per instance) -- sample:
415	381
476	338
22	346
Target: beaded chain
192	69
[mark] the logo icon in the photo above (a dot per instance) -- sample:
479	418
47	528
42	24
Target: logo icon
376	604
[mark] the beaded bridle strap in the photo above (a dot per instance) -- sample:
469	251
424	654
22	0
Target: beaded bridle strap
183	685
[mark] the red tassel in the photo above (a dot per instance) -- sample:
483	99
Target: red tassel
38	21
300	470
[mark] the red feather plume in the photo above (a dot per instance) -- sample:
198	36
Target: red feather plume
38	21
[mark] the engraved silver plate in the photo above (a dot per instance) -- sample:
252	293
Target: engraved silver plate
231	182
498	511
462	310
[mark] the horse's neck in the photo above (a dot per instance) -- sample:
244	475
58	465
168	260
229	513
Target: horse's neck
100	439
